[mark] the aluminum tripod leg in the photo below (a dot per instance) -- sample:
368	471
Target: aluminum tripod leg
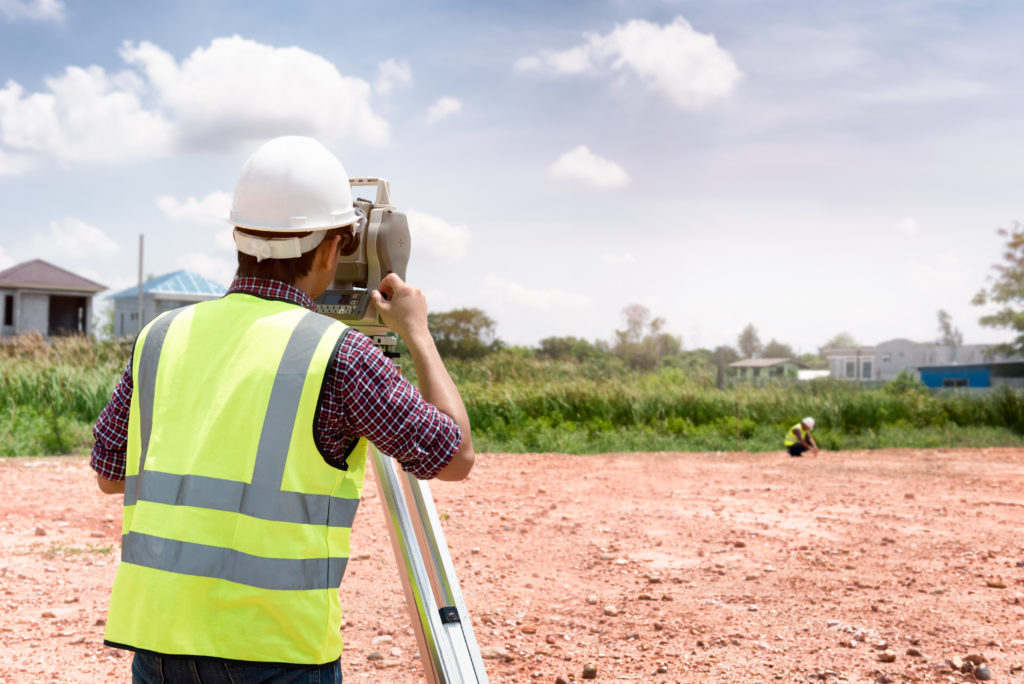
444	633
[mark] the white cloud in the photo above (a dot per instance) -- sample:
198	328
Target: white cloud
686	66
51	10
238	90
617	259
908	226
437	237
208	212
391	73
443	108
86	115
73	240
14	164
551	299
580	164
229	94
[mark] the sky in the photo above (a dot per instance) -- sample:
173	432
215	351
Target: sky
806	166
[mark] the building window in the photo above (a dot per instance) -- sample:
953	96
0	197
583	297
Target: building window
865	370
8	309
955	382
886	358
851	369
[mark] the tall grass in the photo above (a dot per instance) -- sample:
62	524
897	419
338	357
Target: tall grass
52	392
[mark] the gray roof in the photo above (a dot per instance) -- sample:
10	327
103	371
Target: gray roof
763	363
41	275
176	283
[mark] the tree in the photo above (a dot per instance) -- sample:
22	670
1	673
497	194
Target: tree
570	347
644	343
843	340
948	335
748	342
1007	289
777	350
463	333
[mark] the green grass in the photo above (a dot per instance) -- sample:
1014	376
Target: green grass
51	394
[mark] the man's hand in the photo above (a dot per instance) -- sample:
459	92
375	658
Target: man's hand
403	308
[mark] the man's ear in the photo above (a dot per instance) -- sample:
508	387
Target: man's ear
326	253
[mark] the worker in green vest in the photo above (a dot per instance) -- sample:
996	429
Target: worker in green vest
799	440
238	434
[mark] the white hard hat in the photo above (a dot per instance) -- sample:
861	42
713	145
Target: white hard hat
809	422
291	184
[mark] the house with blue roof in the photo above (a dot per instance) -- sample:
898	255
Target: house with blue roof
159	294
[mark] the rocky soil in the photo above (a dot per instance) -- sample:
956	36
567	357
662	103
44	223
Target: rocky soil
873	566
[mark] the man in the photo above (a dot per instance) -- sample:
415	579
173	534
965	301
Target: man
799	440
238	434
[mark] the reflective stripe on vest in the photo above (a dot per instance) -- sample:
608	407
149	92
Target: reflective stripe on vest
791	438
236	532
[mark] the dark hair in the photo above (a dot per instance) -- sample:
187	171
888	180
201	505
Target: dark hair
290	270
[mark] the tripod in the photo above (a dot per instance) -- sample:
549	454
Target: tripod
444	632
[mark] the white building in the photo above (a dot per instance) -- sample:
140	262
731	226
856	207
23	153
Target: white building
159	294
37	296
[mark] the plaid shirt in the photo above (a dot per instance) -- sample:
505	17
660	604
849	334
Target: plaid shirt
364	396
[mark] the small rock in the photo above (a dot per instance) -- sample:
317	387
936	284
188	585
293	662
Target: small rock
529	629
592	600
611	611
880	645
887	656
976	659
561	679
40	532
396	651
645	597
100	622
48	614
662	670
607	556
956	663
914	652
375	655
97	535
493	653
550	638
983	673
590	671
996	584
739	544
381	639
77	640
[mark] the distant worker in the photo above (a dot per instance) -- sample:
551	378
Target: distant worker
799	440
238	434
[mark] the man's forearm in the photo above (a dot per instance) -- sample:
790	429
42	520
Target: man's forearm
438	388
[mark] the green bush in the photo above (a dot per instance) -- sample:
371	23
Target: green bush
51	394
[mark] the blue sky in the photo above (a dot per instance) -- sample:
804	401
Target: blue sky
809	167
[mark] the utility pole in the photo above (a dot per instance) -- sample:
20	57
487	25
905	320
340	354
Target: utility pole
140	283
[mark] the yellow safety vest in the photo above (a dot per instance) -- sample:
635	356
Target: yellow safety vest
791	438
236	532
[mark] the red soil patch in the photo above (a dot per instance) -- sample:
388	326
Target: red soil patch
726	567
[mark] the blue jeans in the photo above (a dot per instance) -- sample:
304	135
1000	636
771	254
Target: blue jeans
148	668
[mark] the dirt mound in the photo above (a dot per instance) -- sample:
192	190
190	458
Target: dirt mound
858	566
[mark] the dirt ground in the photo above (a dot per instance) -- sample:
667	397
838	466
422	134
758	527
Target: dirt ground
858	566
